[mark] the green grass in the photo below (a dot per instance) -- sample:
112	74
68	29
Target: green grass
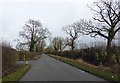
15	76
107	75
0	80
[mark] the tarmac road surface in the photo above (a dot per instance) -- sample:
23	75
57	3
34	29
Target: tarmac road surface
50	69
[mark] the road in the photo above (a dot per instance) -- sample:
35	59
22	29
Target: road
50	69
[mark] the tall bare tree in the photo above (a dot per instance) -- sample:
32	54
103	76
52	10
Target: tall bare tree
33	32
106	24
74	32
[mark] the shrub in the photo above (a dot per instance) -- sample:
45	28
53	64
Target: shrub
115	68
113	58
118	58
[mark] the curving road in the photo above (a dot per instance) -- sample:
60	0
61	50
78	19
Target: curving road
50	69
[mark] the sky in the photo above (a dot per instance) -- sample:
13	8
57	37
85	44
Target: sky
53	14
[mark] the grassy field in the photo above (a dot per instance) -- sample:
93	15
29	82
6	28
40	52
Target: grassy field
107	75
15	76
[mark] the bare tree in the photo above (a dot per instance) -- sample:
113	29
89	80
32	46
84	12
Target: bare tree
40	45
106	24
55	44
20	46
33	32
74	32
62	43
58	43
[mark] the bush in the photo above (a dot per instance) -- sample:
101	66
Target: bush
116	52
115	68
90	55
118	58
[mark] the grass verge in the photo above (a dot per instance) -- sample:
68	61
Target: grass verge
107	75
15	76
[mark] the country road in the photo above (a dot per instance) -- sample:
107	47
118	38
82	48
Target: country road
50	69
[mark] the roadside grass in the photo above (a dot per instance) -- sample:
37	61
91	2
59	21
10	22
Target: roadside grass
16	75
0	80
107	75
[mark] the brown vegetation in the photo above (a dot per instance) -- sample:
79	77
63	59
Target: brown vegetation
9	59
25	55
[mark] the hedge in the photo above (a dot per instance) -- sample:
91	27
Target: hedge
25	55
91	55
9	59
9	56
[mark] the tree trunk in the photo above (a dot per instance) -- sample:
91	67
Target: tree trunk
109	52
36	48
72	45
31	45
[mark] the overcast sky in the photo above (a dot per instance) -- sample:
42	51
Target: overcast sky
53	14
